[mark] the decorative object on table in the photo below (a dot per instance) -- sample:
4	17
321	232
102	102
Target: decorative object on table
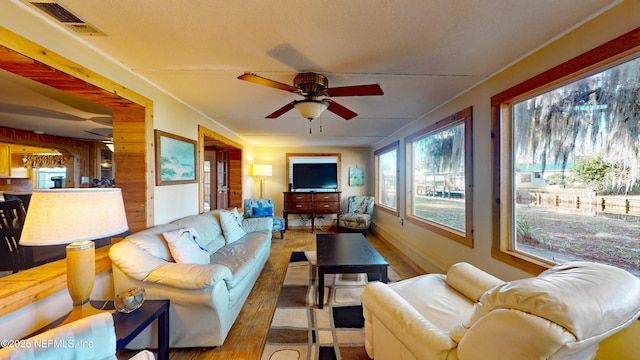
356	176
129	300
262	170
75	216
102	183
175	159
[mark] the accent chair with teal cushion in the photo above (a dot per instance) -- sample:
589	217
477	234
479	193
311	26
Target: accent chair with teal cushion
359	212
263	207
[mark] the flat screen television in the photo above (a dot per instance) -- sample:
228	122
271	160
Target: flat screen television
315	176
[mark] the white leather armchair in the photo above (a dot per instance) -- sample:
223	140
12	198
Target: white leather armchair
563	313
93	337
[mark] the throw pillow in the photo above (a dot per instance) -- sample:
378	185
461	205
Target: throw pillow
231	228
266	211
186	247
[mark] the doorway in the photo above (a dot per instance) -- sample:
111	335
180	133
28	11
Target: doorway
132	118
221	160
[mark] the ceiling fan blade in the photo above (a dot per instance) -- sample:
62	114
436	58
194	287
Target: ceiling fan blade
101	135
27	110
340	110
280	111
356	90
267	82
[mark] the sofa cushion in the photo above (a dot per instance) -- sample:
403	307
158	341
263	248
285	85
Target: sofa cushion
208	227
185	247
95	332
231	227
559	295
189	276
133	260
264	225
266	211
444	307
241	256
471	281
153	242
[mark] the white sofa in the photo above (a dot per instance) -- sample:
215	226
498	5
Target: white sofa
563	313
93	337
205	298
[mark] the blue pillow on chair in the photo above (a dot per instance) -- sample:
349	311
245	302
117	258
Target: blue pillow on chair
266	211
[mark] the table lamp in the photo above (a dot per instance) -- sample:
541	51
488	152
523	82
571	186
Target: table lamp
262	170
75	216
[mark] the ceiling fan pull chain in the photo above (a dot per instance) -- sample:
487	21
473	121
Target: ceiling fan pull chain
310	120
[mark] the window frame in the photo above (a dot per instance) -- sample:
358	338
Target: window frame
502	167
394	146
464	116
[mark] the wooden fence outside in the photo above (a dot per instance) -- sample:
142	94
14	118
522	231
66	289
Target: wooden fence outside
608	204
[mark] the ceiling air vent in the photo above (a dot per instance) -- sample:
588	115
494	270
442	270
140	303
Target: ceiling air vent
65	17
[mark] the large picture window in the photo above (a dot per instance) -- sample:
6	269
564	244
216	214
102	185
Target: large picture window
569	168
439	165
386	168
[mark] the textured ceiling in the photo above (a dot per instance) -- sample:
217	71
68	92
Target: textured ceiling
421	52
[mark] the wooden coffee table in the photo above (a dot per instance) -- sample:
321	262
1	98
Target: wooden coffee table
346	253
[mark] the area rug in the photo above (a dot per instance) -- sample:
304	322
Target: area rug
299	330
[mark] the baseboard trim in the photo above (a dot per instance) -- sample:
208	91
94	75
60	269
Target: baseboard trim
400	253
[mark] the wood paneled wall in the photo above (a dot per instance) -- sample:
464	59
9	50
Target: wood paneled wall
80	150
235	178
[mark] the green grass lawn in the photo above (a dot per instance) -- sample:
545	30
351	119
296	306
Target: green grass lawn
556	235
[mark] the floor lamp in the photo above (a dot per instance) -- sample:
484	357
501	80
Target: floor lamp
75	217
262	170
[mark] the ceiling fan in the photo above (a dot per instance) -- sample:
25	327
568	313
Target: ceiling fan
315	90
108	138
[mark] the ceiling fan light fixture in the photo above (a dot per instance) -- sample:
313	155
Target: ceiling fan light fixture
311	109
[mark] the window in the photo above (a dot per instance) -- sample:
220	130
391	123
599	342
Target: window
439	163
45	177
386	167
581	133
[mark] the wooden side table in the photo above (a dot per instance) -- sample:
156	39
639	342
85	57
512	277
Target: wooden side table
128	326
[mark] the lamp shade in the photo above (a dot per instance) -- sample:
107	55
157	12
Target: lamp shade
262	170
63	216
310	109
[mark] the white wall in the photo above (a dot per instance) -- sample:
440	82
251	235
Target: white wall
436	253
278	183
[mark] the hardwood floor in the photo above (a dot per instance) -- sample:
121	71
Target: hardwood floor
248	335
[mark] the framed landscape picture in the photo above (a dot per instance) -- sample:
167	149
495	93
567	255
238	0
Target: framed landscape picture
175	159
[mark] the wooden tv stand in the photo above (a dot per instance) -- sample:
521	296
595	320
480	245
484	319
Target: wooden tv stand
311	202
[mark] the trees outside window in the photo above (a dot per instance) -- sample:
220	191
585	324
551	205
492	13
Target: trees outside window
386	164
584	139
439	175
